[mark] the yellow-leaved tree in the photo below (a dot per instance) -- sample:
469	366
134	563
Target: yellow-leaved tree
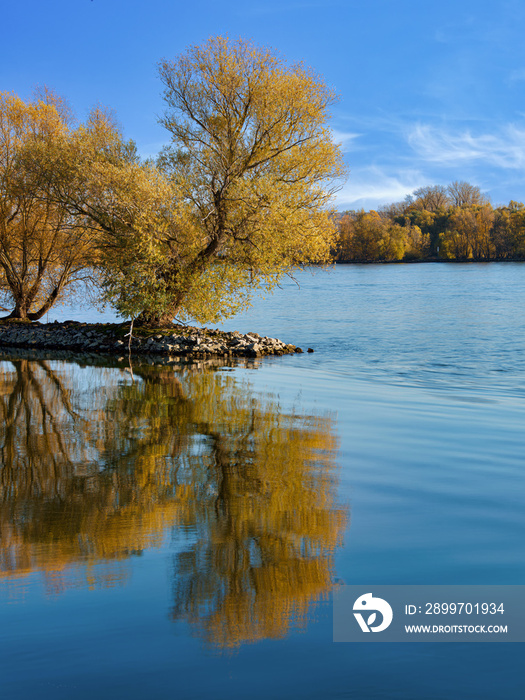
247	181
44	248
240	197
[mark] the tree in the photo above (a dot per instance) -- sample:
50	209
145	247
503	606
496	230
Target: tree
482	243
129	205
344	250
44	250
252	165
508	232
368	236
363	234
463	193
238	199
417	243
431	198
469	233
456	240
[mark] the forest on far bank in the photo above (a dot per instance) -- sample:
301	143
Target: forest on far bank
456	222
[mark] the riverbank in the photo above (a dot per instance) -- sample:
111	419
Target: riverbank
417	261
113	338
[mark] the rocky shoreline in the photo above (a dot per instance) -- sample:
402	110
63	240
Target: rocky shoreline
112	338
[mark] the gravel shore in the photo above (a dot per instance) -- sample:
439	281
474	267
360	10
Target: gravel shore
113	338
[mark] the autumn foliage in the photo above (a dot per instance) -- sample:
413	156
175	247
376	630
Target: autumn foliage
44	249
435	223
239	198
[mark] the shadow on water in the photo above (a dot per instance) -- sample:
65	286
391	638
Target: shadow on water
96	469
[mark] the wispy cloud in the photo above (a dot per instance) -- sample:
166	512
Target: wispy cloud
372	186
505	149
345	139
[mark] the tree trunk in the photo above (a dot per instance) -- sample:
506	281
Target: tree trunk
151	320
19	312
21	308
35	315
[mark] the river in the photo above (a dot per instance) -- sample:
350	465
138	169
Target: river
178	532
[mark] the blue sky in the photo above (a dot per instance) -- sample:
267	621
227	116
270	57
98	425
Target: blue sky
430	92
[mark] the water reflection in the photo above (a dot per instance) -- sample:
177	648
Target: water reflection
96	469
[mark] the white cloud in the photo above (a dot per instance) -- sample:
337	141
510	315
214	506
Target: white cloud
505	149
345	139
372	186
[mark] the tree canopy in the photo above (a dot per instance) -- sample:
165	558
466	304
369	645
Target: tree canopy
239	198
44	250
434	223
252	167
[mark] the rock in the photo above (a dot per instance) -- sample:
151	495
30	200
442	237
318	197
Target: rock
187	341
310	350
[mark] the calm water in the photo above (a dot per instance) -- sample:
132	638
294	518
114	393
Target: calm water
178	536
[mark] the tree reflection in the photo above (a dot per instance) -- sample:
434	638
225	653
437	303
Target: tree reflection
74	482
267	529
92	475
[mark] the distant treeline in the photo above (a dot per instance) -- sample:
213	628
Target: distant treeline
447	223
